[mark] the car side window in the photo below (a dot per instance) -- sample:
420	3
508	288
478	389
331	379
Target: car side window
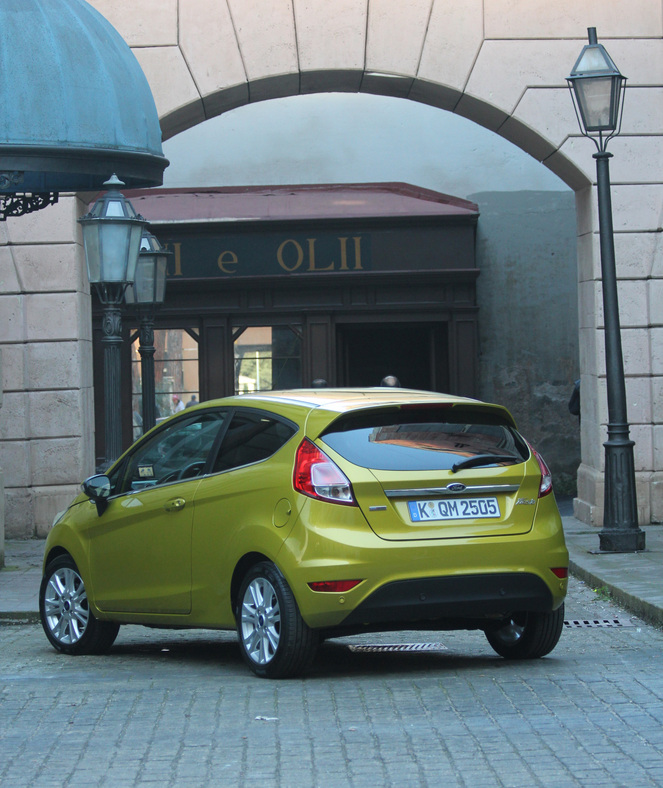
176	453
251	437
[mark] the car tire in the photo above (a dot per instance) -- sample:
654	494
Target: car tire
65	613
527	635
274	639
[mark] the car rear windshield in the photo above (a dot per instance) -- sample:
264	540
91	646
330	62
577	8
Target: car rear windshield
430	438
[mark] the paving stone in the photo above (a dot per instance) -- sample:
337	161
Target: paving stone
175	709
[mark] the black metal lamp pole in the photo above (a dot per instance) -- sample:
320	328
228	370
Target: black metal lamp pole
146	350
620	532
111	327
147	294
111	237
597	89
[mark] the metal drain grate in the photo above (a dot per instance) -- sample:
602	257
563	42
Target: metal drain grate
591	623
376	649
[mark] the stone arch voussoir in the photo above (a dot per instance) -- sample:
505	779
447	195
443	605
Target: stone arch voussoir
402	86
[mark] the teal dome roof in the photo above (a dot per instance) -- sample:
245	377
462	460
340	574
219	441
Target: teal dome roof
75	106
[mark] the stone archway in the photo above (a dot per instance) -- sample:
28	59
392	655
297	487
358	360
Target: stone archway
498	64
500	68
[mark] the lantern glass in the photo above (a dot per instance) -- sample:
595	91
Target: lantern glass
160	284
115	243
593	60
115	209
91	244
599	102
150	281
111	237
597	88
133	248
143	288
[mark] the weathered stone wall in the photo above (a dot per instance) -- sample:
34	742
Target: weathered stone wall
527	293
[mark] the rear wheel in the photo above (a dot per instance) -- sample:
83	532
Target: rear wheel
274	639
65	613
527	635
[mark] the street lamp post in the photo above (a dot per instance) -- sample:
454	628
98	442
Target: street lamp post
146	295
111	238
597	90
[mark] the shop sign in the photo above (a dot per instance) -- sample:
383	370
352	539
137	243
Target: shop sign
266	254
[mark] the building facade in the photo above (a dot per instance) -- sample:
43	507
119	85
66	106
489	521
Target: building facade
278	287
497	65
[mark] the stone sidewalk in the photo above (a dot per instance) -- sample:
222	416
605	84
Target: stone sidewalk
634	580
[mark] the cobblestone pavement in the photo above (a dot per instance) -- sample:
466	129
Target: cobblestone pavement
180	709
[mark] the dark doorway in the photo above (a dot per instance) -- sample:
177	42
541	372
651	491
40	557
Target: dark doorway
416	353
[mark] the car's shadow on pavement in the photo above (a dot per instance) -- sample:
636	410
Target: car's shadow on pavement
219	652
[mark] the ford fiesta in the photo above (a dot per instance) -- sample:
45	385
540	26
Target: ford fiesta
293	516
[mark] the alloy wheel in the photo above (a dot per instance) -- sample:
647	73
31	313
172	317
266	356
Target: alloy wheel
66	608
260	621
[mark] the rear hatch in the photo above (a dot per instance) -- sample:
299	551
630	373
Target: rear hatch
437	471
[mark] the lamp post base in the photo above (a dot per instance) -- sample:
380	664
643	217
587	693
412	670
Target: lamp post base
620	533
619	541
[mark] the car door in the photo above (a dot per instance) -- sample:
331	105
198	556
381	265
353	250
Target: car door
243	506
140	547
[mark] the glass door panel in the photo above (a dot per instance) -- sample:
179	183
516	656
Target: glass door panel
176	374
267	358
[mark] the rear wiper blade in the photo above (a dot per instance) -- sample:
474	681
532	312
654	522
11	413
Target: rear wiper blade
483	459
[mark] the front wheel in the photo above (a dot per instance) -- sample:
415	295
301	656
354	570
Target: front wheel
65	613
274	639
527	635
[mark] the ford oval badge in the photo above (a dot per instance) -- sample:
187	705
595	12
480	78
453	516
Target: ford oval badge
455	487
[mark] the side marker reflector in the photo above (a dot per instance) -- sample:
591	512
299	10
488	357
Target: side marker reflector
334	586
560	571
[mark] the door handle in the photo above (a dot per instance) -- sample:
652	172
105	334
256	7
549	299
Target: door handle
175	504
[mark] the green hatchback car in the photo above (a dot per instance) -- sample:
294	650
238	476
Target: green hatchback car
294	516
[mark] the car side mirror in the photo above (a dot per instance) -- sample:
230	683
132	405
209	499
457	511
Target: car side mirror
98	488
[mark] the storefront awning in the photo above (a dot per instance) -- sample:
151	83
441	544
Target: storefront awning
76	106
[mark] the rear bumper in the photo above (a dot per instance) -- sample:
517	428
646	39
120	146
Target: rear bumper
459	597
488	575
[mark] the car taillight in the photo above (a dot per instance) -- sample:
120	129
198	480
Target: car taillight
319	477
559	571
545	487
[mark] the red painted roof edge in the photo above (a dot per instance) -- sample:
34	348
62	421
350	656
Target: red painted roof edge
395	187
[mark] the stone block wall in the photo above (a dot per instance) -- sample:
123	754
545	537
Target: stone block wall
46	420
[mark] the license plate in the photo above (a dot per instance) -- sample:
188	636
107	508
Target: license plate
453	509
